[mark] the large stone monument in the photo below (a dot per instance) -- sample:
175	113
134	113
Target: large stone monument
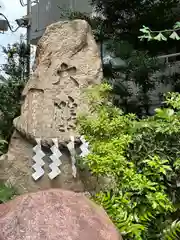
67	61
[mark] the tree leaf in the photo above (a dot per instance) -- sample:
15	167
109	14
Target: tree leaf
177	25
145	29
160	37
174	36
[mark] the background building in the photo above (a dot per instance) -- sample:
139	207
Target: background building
46	12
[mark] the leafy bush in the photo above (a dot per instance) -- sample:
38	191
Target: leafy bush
124	19
6	193
17	58
134	84
10	99
142	160
13	76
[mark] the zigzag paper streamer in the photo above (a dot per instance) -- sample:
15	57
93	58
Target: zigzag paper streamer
84	147
56	162
71	147
39	163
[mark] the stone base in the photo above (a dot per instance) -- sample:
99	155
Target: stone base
16	169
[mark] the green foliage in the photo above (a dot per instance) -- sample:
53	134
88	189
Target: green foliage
17	57
10	99
6	193
142	160
173	99
133	83
172	231
12	78
124	19
11	85
160	35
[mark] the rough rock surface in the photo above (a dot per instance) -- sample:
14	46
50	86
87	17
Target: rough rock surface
17	169
67	62
55	215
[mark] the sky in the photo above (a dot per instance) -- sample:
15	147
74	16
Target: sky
13	10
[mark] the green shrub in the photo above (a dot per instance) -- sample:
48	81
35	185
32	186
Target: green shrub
10	99
142	159
6	193
11	86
